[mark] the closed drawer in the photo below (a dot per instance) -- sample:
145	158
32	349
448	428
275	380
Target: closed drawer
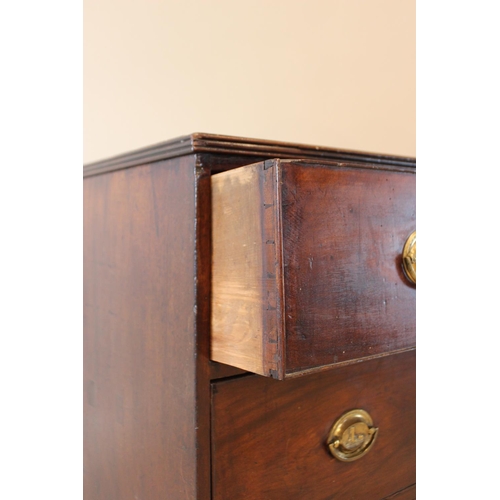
307	265
269	438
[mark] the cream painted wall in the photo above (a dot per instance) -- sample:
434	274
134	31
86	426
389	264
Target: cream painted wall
337	73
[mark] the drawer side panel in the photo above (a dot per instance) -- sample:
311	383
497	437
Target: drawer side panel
246	329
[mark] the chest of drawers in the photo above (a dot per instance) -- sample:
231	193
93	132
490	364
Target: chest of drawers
249	323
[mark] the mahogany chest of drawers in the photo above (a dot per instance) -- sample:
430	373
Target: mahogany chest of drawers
249	323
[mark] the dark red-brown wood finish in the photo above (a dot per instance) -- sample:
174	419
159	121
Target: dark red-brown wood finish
344	229
409	493
147	285
307	264
269	437
146	401
221	152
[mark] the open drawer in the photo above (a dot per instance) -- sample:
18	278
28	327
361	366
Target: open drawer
307	265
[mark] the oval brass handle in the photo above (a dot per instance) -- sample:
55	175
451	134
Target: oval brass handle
410	257
352	436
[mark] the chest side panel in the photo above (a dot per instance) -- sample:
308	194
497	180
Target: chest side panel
140	404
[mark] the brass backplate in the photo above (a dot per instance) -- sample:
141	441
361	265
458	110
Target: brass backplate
352	436
410	257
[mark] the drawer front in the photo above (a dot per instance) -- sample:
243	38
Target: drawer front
346	295
269	438
307	265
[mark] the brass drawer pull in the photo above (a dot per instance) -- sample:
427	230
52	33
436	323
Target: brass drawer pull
410	257
352	436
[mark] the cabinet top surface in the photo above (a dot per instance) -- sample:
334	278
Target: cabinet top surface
229	145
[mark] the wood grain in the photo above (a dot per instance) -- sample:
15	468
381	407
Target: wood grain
268	437
201	340
307	271
225	146
409	493
146	394
246	313
237	292
147	301
346	296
